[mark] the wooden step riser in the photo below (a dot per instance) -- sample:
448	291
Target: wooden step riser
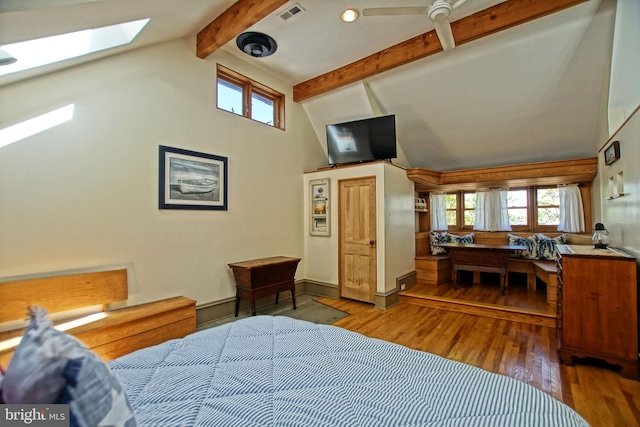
484	310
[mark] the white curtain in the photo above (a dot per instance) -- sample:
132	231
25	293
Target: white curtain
438	211
571	210
492	212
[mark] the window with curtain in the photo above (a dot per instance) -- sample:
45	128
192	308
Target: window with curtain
571	209
492	210
438	211
534	208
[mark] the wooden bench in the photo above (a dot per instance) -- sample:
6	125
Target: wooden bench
112	332
547	271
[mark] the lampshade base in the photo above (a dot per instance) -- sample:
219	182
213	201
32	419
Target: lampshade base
600	246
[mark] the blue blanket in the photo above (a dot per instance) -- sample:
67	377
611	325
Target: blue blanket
276	371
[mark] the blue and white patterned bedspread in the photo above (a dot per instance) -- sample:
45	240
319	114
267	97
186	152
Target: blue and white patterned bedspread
277	371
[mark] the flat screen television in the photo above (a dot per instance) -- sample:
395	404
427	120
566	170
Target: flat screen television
362	140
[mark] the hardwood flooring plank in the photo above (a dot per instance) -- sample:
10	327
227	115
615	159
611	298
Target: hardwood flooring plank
526	352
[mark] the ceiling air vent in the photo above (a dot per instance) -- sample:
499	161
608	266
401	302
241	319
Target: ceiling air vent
293	10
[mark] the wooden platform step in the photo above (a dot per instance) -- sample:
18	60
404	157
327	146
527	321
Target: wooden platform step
540	317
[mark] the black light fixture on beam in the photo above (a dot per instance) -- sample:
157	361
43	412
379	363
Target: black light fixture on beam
256	44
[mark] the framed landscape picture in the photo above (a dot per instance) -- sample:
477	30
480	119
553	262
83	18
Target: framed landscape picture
192	180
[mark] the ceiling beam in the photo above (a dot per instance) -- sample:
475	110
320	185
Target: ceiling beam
489	21
232	22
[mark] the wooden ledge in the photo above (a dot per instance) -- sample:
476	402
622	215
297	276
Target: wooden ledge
540	173
127	329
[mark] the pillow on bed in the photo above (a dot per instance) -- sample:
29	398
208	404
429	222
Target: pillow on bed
50	366
1	380
547	246
529	242
436	238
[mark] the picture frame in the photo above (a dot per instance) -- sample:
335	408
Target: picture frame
192	180
320	214
612	153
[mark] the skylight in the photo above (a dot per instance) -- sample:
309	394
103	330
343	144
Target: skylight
47	50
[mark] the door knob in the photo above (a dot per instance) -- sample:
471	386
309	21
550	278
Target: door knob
372	243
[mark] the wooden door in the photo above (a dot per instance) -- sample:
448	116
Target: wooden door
357	239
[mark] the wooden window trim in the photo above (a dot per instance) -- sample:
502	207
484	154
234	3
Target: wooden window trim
250	87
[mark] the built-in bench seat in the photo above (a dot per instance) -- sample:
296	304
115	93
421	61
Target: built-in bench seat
437	269
110	333
547	271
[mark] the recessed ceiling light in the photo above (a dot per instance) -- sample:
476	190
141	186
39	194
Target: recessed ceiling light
349	15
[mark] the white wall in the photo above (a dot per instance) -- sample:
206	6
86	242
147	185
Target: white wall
621	215
84	195
394	225
624	90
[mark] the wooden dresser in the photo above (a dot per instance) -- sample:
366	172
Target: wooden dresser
597	307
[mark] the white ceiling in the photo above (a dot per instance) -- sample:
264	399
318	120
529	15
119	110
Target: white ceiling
531	93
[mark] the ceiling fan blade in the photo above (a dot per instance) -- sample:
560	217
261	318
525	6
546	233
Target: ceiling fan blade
443	30
384	11
458	3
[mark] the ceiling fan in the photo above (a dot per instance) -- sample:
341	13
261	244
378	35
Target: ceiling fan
438	13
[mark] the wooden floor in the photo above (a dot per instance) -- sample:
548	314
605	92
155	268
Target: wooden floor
520	350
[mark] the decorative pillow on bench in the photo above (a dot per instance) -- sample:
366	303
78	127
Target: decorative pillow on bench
548	247
439	237
538	246
529	242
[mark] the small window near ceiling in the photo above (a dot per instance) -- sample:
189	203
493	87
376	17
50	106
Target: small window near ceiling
517	203
548	206
230	97
245	97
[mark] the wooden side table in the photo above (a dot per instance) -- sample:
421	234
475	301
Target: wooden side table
261	277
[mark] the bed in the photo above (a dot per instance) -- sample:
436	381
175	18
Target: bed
278	371
266	371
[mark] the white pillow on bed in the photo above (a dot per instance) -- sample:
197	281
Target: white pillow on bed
53	367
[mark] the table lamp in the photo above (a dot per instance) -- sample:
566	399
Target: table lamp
599	238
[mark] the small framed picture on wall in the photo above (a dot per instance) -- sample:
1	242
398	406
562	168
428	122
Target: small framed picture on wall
612	153
320	214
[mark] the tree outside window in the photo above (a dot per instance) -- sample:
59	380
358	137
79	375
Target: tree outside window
517	204
548	206
452	211
469	207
